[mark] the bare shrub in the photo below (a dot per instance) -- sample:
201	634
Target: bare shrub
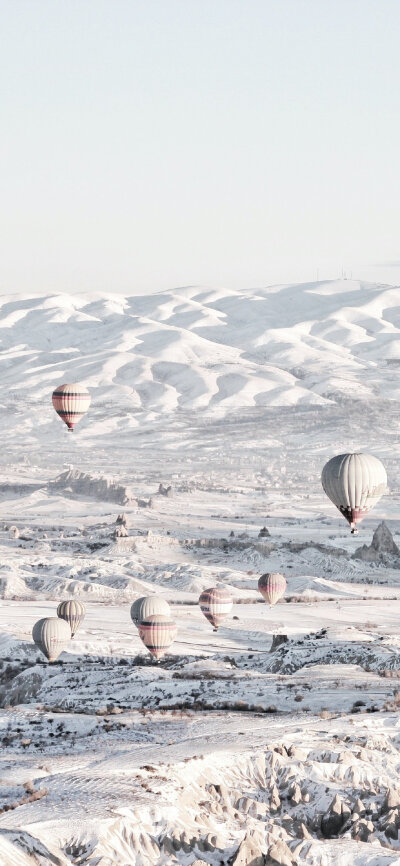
325	713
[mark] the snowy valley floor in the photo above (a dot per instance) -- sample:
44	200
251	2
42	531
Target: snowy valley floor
224	749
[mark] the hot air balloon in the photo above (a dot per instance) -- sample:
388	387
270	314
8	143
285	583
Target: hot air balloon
73	612
157	633
216	603
52	636
149	605
272	587
71	402
354	483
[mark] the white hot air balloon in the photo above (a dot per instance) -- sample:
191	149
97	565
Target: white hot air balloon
73	612
149	605
354	483
52	635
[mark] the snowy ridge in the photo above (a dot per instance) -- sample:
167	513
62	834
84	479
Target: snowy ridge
196	348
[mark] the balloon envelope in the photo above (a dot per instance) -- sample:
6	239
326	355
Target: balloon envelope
272	586
73	612
157	634
216	603
354	483
71	402
52	636
149	605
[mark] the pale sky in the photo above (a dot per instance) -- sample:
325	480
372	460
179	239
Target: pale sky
147	144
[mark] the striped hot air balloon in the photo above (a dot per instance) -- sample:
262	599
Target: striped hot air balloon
73	612
216	603
157	633
272	587
71	402
52	636
354	483
149	605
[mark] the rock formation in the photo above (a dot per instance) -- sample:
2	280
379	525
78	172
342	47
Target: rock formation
277	640
72	482
122	520
335	818
120	532
165	491
382	547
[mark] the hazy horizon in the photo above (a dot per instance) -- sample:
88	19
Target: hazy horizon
155	144
198	286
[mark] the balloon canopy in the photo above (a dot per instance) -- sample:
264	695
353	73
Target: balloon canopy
216	603
149	605
71	402
73	612
157	634
354	483
272	586
52	635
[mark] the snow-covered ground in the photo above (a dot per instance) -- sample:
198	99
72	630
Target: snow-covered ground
223	749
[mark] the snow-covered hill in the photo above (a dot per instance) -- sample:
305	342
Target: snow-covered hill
197	348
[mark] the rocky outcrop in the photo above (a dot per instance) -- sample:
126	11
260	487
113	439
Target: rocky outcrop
382	548
120	532
249	853
74	483
358	807
122	520
362	830
392	800
275	800
145	503
279	853
165	491
335	818
278	640
295	794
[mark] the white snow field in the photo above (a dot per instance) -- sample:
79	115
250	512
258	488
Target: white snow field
224	751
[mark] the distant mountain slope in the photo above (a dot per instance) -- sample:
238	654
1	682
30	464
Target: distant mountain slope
198	348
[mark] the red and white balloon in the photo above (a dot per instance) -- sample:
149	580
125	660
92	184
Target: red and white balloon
272	587
71	403
216	603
